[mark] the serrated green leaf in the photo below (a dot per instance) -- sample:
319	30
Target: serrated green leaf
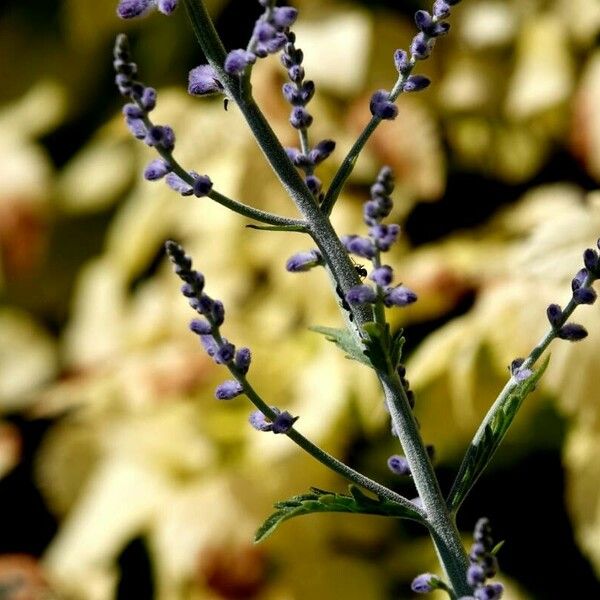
344	340
397	344
377	345
323	501
489	437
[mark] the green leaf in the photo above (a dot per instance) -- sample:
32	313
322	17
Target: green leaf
317	501
298	228
344	340
397	344
489	437
497	547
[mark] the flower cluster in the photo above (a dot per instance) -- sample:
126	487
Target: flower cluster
484	564
128	9
208	327
161	137
282	423
268	37
381	238
431	26
583	293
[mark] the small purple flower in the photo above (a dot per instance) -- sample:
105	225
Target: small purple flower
519	373
128	9
385	236
382	276
137	128
200	327
156	169
148	99
475	575
284	16
489	592
203	81
243	357
166	7
225	353
579	279
361	294
402	62
259	421
237	60
572	332
399	296
421	46
217	312
416	83
425	583
304	261
441	9
555	315
228	390
209	344
584	295
283	422
202	186
398	465
382	107
590	260
360	246
321	151
179	185
300	118
132	111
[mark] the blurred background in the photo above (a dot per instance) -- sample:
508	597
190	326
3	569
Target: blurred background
121	476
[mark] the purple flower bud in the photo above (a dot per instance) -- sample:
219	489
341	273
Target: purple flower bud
572	332
304	261
399	296
307	91
360	246
314	184
225	354
179	185
382	276
128	9
401	61
259	421
482	532
228	390
296	73
148	99
440	28
555	315
292	94
217	312
416	83
237	60
518	372
203	81
300	118
385	236
579	279
398	465
584	295
489	592
294	155
475	575
423	21
209	344
590	260
421	46
200	327
137	128
283	422
321	151
166	7
243	358
264	31
425	583
361	294
478	550
156	169
132	111
274	45
382	107
202	186
284	16
441	9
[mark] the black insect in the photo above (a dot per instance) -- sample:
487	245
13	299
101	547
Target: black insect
344	303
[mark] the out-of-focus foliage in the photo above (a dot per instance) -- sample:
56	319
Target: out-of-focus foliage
93	329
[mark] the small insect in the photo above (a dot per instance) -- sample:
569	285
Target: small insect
344	303
362	272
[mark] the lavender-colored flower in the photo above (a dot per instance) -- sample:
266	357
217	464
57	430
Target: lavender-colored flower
148	99
283	422
237	60
202	186
590	260
361	294
579	279
162	136
304	261
402	61
203	81
584	295
421	46
382	107
284	16
572	332
425	583
382	276
489	592
555	315
128	9
200	327
156	169
242	360
179	185
398	464
300	118
225	353
217	312
228	390
209	344
441	9
258	420
385	236
360	246
137	128
517	370
399	296
321	151
475	575
416	83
